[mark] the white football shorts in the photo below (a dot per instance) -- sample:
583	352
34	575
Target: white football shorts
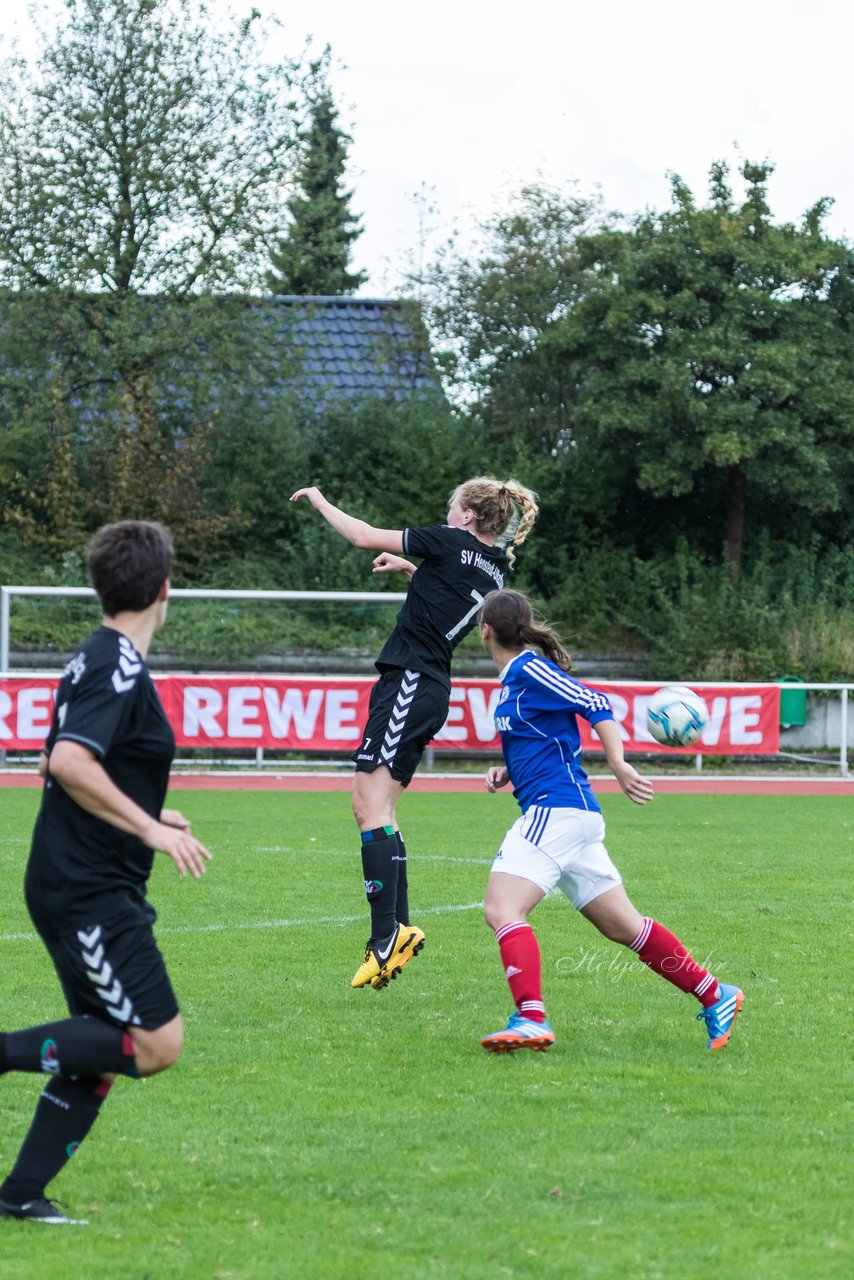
560	849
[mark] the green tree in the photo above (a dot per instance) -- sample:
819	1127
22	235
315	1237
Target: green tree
713	353
492	312
494	315
313	257
141	159
144	151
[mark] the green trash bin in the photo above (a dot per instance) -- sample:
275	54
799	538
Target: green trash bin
793	702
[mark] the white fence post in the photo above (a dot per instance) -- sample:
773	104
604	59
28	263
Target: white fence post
4	628
843	736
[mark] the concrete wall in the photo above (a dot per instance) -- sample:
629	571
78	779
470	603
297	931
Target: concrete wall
823	727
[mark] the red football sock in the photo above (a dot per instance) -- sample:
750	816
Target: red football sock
520	955
665	954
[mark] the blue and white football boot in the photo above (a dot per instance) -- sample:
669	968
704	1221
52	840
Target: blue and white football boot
520	1033
720	1016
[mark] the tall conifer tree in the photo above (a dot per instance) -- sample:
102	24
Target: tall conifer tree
314	256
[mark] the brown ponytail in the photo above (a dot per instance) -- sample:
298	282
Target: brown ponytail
511	616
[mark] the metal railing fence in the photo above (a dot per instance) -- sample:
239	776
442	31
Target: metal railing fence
7	593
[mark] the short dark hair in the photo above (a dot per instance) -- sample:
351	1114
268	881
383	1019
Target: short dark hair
128	564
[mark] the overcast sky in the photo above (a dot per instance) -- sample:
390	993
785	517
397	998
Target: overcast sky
467	100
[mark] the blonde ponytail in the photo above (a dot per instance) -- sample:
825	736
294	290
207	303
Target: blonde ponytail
505	510
526	511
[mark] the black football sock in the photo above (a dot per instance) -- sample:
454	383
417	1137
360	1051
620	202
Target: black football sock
402	883
379	864
76	1047
65	1113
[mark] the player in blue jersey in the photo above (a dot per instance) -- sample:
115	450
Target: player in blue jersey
558	842
461	561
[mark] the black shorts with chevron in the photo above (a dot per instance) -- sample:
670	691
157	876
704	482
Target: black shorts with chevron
406	710
115	972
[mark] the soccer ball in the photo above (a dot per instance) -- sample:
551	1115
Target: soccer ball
676	716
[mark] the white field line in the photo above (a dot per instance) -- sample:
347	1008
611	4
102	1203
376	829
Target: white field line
268	924
289	848
416	859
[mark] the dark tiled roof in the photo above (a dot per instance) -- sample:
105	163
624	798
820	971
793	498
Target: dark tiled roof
353	348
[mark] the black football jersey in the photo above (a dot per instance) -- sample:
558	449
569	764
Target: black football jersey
456	573
81	869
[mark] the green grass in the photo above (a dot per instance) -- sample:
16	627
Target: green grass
317	1132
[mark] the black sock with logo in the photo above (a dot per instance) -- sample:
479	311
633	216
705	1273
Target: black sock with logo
65	1113
402	883
75	1047
379	864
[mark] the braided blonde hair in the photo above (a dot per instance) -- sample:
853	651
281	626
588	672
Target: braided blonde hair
504	509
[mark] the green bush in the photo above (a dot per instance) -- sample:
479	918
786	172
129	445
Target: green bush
27	566
789	612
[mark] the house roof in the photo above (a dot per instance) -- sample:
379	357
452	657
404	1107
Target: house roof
353	348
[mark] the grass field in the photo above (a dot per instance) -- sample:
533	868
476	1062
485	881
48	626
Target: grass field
318	1132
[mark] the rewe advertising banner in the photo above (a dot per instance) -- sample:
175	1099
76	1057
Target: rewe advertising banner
318	713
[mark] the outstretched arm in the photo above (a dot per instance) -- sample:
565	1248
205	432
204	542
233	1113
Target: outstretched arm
636	788
357	532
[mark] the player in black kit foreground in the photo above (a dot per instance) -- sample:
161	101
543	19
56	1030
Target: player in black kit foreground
462	560
106	768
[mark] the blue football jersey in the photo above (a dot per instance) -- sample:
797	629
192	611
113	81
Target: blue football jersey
537	718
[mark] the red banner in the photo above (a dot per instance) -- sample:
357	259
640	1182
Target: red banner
326	714
26	708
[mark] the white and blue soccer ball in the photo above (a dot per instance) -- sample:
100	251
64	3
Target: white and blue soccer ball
676	716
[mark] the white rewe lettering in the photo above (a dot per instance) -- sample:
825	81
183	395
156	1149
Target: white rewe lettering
243	711
482	712
5	710
293	708
711	735
35	708
202	705
341	710
744	716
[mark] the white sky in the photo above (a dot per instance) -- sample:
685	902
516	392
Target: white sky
467	100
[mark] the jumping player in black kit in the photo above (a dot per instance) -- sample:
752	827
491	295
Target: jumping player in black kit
461	562
106	767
